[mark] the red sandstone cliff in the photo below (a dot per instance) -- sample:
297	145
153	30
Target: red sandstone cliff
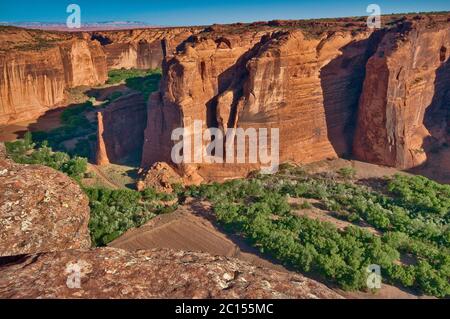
269	78
140	48
36	67
314	80
404	105
121	126
310	86
36	70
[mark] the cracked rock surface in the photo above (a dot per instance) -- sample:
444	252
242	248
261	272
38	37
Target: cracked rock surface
158	273
41	210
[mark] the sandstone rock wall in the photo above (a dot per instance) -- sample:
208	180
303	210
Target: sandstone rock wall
140	48
33	80
403	111
268	79
121	129
35	73
381	96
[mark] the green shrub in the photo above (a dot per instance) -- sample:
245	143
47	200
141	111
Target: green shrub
257	210
23	151
144	81
115	211
347	172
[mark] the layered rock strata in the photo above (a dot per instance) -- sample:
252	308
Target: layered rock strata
34	76
280	80
121	128
404	107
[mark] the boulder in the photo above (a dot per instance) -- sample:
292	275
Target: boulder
41	210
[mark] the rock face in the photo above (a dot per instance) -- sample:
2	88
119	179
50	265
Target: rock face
140	48
37	67
403	111
160	177
35	73
41	210
121	129
115	273
392	84
268	79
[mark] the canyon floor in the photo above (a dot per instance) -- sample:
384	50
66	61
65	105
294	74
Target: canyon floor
193	227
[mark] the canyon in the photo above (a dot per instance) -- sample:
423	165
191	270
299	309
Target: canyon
38	67
335	89
45	240
379	96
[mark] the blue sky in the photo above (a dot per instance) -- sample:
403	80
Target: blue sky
201	12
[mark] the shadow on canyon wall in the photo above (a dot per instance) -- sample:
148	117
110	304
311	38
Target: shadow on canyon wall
233	78
342	82
73	128
437	121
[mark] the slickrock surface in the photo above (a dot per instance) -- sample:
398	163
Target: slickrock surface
40	210
403	112
161	273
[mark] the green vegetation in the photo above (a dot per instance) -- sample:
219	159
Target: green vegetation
424	198
25	152
112	211
347	172
115	211
139	80
409	216
412	222
74	125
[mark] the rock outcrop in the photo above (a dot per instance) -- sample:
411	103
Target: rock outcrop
268	79
41	210
121	128
162	273
44	253
403	111
160	177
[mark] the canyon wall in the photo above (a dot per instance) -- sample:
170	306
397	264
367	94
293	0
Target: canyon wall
333	88
307	87
37	67
35	75
379	95
121	130
404	108
140	48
